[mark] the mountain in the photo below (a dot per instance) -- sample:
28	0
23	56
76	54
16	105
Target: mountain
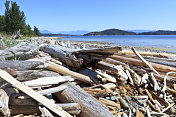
159	32
110	32
78	32
45	32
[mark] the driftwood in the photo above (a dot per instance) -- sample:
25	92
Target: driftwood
22	51
4	101
45	112
158	67
47	81
17	107
162	55
43	100
89	105
76	58
33	74
65	71
144	61
173	64
21	65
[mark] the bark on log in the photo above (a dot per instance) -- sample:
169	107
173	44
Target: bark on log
158	67
20	65
90	107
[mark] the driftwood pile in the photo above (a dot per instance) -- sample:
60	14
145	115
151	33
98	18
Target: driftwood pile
51	78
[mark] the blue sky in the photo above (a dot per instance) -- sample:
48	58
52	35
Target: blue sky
95	15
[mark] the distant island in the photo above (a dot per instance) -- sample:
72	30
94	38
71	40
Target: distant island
123	32
159	32
110	32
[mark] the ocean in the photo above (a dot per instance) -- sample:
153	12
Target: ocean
167	42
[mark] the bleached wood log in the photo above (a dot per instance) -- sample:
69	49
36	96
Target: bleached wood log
89	105
172	64
4	101
129	76
106	76
43	100
136	78
22	51
65	71
20	65
78	58
163	55
117	70
154	82
48	81
52	90
144	61
33	74
158	67
62	53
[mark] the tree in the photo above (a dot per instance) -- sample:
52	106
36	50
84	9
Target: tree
14	18
36	31
2	23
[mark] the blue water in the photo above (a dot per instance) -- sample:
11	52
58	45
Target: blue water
156	41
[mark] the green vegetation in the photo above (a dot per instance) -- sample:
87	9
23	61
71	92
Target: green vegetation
159	32
14	20
111	32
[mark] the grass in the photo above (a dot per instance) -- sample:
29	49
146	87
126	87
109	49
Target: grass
12	42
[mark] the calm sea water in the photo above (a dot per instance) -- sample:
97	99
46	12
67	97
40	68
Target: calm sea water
156	41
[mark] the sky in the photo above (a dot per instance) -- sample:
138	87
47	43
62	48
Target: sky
96	15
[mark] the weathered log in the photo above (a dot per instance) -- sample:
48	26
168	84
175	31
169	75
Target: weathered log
163	55
20	65
105	51
89	105
173	64
33	74
78	58
65	71
158	67
144	61
22	51
72	108
47	81
65	55
43	100
110	68
4	101
52	90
